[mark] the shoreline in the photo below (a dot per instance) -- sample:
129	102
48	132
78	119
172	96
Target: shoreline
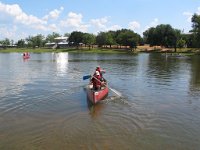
187	51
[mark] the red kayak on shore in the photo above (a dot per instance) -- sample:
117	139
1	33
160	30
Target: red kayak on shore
95	96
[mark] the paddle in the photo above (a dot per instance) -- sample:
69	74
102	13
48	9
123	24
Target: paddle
86	77
118	94
89	76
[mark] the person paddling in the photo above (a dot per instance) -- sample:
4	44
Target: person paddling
96	81
101	71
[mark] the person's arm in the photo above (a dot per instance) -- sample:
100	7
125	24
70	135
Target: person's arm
103	71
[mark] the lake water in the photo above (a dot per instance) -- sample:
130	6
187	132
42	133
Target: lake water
43	104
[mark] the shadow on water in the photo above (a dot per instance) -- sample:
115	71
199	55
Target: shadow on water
95	110
119	100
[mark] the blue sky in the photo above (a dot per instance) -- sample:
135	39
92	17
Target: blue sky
20	18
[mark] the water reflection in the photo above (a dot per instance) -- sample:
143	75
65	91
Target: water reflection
195	77
195	70
14	74
62	63
95	110
159	107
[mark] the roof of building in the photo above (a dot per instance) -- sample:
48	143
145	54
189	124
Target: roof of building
61	38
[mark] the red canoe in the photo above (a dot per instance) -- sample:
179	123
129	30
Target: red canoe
96	96
26	57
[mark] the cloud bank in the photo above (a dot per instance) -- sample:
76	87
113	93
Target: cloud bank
15	23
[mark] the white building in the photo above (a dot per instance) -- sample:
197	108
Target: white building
60	42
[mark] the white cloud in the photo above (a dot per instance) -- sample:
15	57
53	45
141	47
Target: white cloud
53	27
188	15
134	25
154	23
14	15
114	28
19	16
74	22
8	32
100	23
198	11
53	14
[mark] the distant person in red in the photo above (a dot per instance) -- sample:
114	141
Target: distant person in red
26	54
96	81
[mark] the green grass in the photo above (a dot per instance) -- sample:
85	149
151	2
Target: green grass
94	50
70	50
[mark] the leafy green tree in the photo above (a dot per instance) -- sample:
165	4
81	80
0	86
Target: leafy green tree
67	34
29	41
36	41
5	42
188	39
181	43
110	38
149	36
89	39
21	43
127	37
163	35
50	37
76	38
105	38
175	37
196	30
101	39
12	42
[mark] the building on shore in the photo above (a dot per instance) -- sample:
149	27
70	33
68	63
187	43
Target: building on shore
59	42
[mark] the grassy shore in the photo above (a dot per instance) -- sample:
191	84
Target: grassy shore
70	50
99	50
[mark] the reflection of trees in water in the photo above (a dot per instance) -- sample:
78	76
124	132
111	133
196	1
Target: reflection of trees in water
195	73
95	110
163	68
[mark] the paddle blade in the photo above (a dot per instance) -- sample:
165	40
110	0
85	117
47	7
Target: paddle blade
86	77
116	92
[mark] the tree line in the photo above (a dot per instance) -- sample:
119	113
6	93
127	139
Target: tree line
163	35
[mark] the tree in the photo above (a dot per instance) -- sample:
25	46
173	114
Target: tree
196	30
110	38
67	34
89	39
101	39
163	35
149	36
50	37
188	39
76	38
35	41
21	43
175	37
181	43
5	42
127	37
105	38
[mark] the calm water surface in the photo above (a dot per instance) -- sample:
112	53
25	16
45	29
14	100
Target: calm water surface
43	104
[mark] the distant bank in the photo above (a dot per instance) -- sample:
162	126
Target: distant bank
155	49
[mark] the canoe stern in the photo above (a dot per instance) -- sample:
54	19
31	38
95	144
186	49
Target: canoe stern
96	96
